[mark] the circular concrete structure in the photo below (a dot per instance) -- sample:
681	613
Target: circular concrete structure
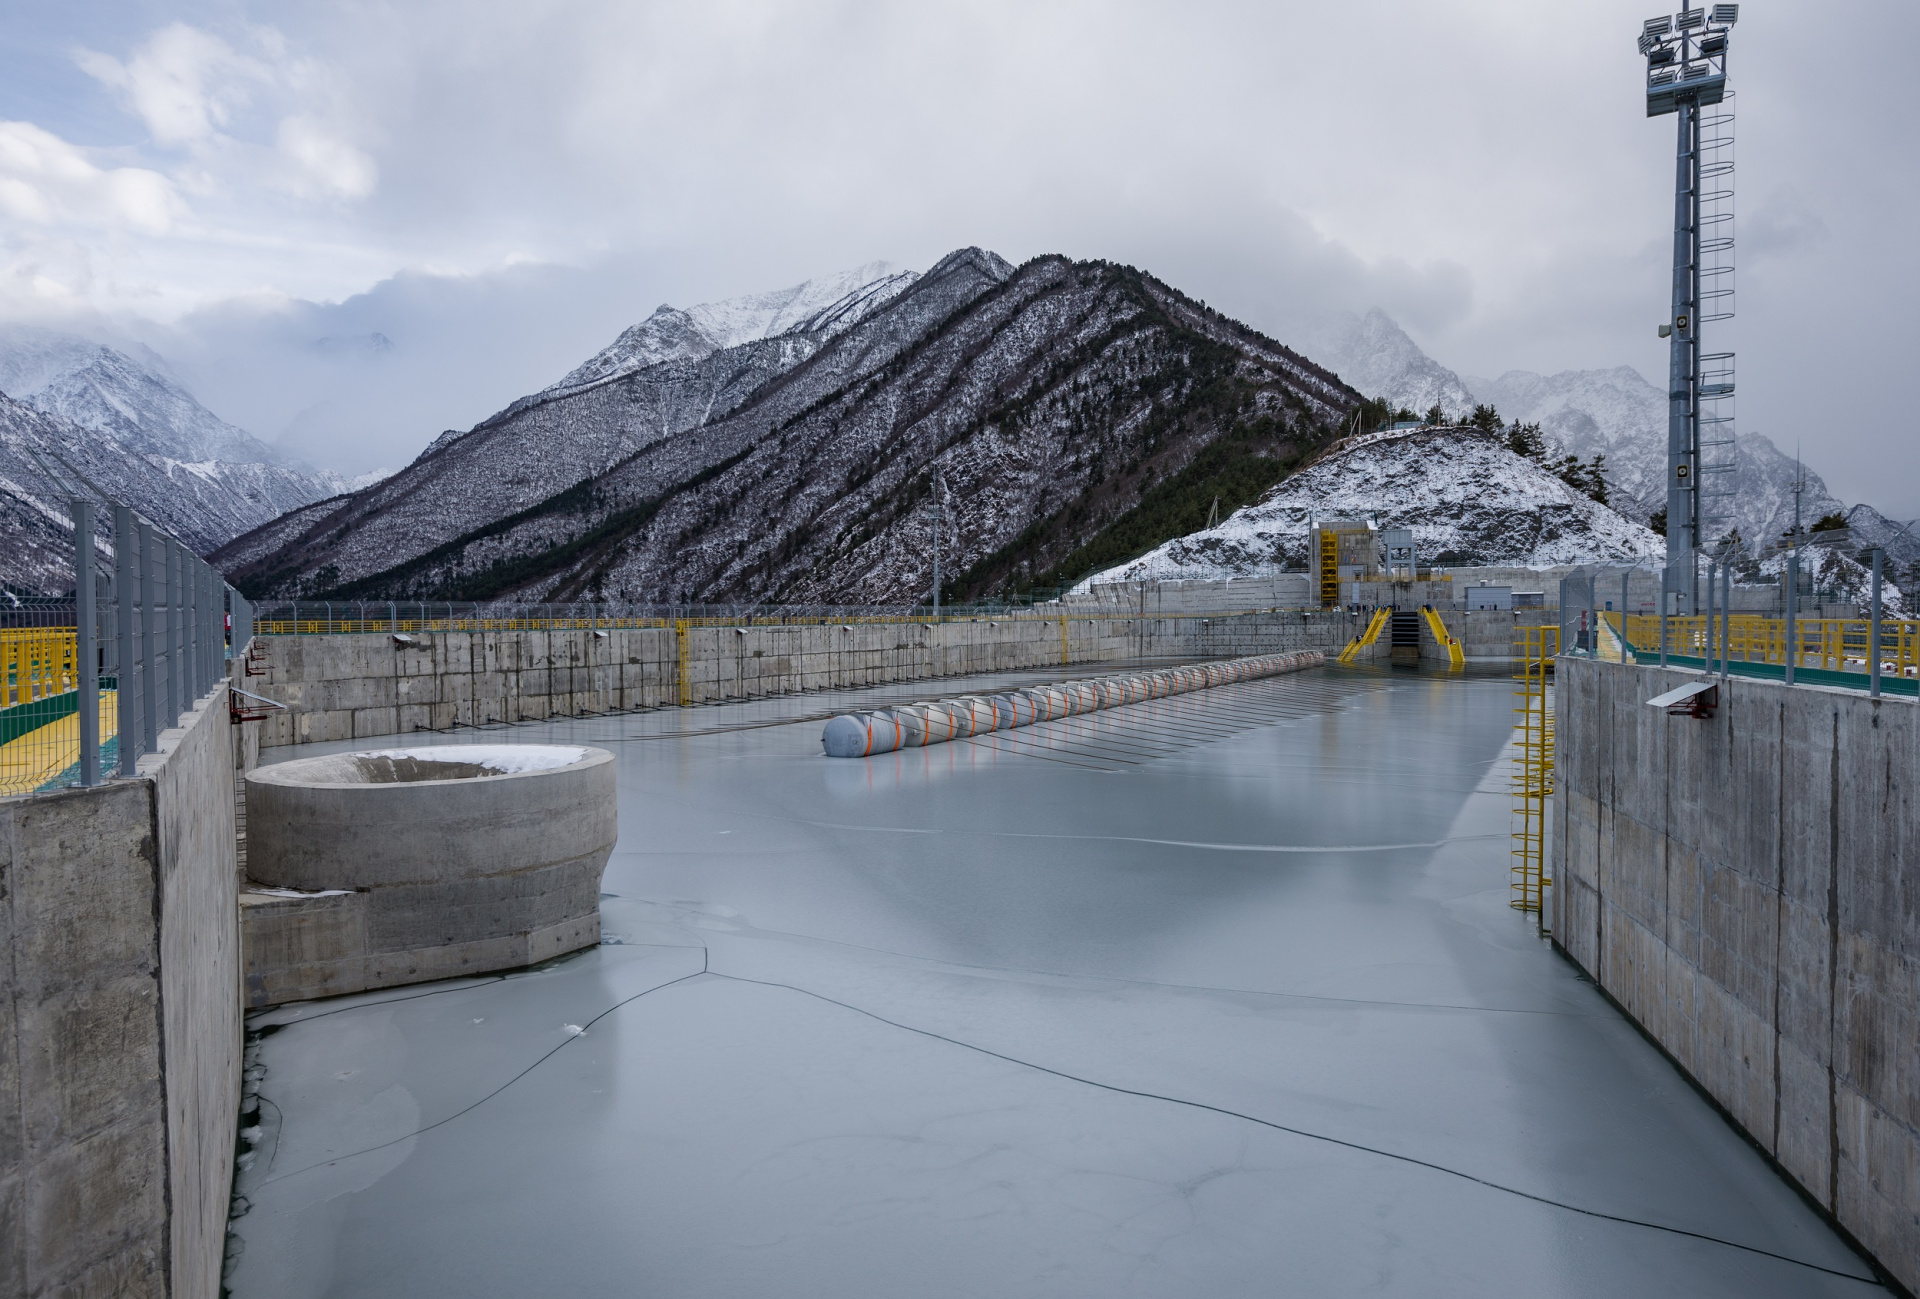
426	863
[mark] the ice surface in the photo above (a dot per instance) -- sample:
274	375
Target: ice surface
1217	995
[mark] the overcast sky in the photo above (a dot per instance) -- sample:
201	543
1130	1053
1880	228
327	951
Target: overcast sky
498	188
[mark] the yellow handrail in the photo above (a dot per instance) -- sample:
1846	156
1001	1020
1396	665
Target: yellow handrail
1456	657
1367	637
1835	644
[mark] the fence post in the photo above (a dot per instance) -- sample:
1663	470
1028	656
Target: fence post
1706	640
190	593
176	635
1873	628
86	635
126	578
149	655
1792	653
1726	622
1664	601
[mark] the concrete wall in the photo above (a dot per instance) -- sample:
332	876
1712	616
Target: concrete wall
347	687
1485	636
120	1026
1748	888
1152	599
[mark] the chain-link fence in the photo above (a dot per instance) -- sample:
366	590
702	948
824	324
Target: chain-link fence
89	682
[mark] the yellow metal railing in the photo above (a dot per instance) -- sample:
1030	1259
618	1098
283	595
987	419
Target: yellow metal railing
1456	656
1531	783
1831	644
1367	637
36	662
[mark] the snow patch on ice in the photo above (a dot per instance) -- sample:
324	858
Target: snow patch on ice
501	759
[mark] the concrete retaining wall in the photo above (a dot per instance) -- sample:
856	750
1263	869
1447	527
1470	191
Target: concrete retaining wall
1485	635
1748	888
120	1030
350	687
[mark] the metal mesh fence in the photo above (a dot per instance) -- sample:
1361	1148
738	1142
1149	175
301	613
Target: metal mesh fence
89	682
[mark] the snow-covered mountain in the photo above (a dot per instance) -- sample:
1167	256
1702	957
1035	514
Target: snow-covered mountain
674	372
818	309
124	423
1619	414
1467	498
1058	402
1375	355
1613	412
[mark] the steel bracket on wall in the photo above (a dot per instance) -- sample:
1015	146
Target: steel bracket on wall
1696	699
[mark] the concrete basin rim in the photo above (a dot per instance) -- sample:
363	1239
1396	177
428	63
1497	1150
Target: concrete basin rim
266	775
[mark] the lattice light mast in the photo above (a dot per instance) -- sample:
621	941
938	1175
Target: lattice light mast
1686	73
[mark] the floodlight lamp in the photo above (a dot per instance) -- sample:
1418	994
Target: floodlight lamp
1690	18
1656	26
1714	44
1662	56
1646	42
1727	15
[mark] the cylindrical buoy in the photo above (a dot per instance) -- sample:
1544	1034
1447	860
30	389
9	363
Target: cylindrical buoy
860	735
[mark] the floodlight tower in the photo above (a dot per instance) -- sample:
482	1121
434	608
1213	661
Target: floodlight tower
1686	72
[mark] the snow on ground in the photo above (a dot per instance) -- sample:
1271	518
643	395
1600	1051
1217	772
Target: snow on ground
1468	500
1846	579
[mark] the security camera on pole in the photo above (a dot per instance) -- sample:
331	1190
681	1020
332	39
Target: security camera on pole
1687	71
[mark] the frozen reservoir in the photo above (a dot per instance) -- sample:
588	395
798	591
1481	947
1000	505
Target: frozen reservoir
1210	995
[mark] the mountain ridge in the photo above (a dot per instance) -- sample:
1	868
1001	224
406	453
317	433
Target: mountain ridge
1050	398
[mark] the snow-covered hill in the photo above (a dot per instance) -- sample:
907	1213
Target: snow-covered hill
1467	498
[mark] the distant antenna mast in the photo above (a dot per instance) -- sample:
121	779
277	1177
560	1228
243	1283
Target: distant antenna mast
1686	75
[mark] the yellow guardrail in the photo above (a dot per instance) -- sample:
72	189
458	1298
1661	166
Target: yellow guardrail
1832	644
36	662
1531	783
1367	637
1456	657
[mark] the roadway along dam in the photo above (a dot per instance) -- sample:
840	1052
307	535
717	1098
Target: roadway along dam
1214	994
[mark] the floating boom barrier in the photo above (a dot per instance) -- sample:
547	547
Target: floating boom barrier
860	735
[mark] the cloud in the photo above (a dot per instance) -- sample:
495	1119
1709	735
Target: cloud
184	83
47	182
323	161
